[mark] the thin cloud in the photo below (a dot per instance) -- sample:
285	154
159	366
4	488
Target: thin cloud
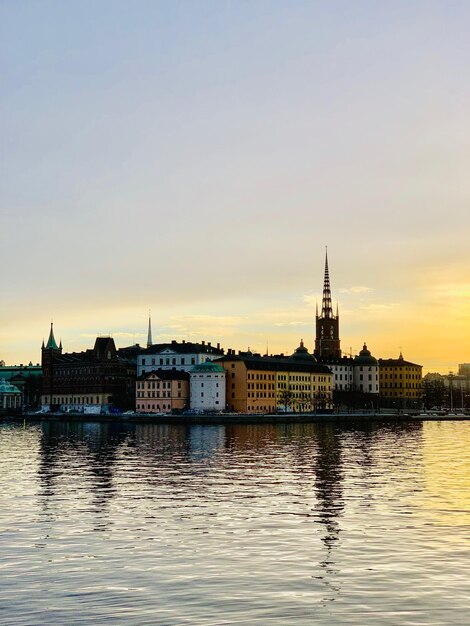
208	319
377	308
356	289
311	298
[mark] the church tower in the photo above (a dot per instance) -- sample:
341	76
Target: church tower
49	352
327	342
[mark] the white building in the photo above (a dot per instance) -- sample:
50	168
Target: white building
207	387
360	373
366	372
342	369
182	356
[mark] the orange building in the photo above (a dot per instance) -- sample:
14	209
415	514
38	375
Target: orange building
162	391
264	384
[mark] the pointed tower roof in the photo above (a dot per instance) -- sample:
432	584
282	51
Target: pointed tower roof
149	334
51	342
326	307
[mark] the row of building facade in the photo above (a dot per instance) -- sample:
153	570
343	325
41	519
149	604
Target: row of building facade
175	376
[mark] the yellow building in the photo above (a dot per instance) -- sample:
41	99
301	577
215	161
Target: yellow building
400	383
264	384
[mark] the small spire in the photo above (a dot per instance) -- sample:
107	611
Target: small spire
301	343
149	335
60	344
51	343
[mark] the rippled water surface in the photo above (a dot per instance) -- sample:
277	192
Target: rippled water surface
298	524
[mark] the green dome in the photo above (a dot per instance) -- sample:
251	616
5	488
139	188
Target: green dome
6	387
365	358
302	354
208	367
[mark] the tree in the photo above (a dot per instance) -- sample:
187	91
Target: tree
434	393
286	398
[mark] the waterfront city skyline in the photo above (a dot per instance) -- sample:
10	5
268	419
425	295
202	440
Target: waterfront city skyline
195	159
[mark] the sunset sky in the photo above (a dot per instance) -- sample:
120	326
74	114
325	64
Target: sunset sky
195	158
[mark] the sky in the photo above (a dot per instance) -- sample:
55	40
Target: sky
195	158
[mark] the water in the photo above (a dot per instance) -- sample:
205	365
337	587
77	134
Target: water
213	525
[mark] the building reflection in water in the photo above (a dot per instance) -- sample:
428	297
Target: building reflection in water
163	464
80	457
329	493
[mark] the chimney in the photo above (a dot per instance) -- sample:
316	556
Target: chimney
218	346
184	341
209	344
203	343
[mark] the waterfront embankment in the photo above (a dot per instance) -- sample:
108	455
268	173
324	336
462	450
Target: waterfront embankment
238	418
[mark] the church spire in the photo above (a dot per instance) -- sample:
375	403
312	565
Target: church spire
149	334
327	341
51	342
326	307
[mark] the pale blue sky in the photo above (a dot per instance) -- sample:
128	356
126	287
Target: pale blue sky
195	158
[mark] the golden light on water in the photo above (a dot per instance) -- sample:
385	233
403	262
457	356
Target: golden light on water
446	497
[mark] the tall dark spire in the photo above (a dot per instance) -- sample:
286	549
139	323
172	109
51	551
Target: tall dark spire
327	342
326	307
149	334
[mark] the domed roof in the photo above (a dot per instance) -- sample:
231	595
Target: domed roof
208	367
6	387
302	354
364	357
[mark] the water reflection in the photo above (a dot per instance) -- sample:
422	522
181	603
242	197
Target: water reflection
80	457
328	486
173	524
